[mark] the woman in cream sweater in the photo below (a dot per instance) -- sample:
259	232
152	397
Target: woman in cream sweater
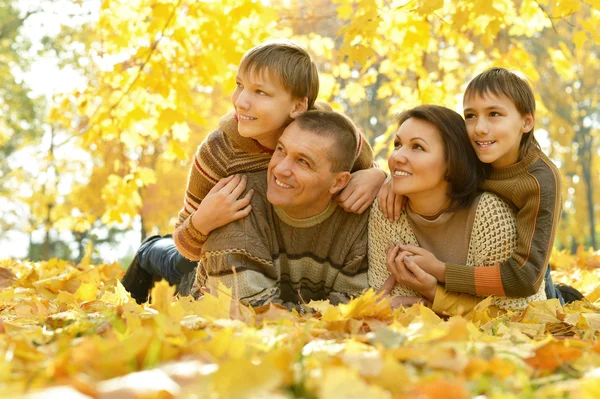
435	168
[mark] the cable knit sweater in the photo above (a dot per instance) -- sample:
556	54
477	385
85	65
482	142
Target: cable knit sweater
533	187
223	153
491	240
269	256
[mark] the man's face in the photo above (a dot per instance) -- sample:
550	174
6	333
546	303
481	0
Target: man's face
300	180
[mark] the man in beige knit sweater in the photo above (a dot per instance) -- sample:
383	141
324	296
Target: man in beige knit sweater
297	244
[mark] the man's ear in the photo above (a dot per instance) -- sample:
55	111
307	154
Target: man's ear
300	107
341	180
528	123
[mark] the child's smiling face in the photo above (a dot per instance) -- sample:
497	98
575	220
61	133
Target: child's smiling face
263	106
495	128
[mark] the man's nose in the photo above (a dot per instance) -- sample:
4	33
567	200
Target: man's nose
284	166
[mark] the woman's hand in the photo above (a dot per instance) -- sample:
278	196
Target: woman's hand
361	190
427	261
390	204
223	205
409	274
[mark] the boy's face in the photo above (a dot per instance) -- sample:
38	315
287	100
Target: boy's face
495	128
300	180
264	107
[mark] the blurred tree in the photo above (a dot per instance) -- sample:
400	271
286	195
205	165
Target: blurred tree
160	74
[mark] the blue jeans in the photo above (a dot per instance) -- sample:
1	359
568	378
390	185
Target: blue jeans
551	291
159	257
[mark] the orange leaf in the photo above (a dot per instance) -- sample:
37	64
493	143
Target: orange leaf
550	356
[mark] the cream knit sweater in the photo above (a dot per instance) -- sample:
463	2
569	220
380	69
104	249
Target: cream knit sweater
493	240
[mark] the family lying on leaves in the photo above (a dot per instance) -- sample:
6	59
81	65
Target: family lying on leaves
284	203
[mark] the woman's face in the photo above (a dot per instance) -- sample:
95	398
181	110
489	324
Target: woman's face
418	163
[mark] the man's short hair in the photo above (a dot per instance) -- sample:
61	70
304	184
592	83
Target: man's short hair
513	85
340	129
465	171
290	63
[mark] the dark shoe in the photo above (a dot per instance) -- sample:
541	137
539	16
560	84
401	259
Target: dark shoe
569	293
137	281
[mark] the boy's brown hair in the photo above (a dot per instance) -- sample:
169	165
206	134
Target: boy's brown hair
337	127
509	84
290	63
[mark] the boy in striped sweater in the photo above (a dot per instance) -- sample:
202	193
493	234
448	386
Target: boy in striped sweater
276	82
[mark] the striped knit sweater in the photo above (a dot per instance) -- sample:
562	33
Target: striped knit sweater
491	240
533	187
223	153
269	256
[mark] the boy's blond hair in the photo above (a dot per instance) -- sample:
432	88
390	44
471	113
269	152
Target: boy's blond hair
290	63
512	85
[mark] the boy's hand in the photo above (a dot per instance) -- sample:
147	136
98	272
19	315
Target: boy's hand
361	190
390	204
409	274
223	204
427	261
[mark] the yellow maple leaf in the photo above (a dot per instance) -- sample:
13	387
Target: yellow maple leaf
241	378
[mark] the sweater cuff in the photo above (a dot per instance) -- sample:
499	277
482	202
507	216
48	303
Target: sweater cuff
459	278
484	280
189	240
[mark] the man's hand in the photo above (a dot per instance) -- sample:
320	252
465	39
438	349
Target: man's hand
223	204
427	261
390	204
409	274
361	190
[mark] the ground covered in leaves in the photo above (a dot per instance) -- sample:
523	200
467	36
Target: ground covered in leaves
72	331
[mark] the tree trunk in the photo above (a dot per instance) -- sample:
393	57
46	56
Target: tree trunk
144	234
589	185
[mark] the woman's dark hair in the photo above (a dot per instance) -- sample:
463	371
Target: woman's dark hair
465	171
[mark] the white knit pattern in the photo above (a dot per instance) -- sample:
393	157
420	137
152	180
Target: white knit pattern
381	233
493	240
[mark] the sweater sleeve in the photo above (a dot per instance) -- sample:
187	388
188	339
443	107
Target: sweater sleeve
352	278
239	255
522	273
364	157
206	170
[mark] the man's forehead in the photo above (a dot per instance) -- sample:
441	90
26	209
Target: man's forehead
306	142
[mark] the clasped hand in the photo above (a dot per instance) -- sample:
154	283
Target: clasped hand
406	272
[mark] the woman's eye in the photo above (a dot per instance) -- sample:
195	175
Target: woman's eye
418	147
260	92
239	85
494	113
397	144
469	116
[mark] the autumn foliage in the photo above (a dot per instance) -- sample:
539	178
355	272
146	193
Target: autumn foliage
73	329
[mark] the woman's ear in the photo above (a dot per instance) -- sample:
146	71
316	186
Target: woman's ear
300	107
